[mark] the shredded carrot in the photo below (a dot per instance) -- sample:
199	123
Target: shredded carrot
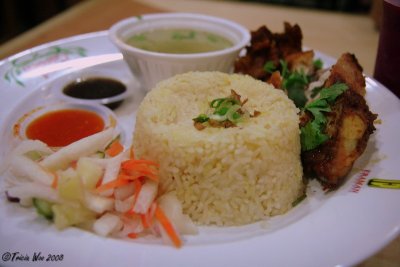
115	148
168	227
138	187
131	213
143	218
112	184
127	176
147	219
131	152
136	175
132	235
140	169
99	182
74	164
54	184
130	163
152	177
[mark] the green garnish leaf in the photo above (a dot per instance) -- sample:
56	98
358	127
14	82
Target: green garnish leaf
183	35
212	38
318	63
299	199
269	66
295	84
284	68
217	102
226	112
201	118
315	91
317	112
332	92
221	111
312	134
139	37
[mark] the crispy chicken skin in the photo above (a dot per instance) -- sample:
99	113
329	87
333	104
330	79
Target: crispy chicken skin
267	46
301	61
348	70
350	124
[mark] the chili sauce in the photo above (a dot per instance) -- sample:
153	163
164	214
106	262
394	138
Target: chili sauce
63	127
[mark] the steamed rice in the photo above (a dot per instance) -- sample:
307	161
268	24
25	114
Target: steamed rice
229	176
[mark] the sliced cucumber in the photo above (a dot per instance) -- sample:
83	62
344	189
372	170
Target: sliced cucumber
99	154
35	155
43	207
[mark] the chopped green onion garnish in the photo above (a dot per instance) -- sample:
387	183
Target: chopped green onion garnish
201	118
298	200
224	110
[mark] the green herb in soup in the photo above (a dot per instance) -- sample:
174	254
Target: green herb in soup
179	41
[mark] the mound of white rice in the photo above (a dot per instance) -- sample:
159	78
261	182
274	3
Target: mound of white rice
222	176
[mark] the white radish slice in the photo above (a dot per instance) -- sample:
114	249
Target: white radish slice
107	224
26	191
25	167
124	192
84	147
124	205
32	145
111	172
172	208
97	203
146	196
131	225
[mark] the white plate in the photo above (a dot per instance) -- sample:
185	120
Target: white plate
340	228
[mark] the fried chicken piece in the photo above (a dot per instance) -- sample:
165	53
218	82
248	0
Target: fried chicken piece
267	46
275	79
348	70
350	124
301	61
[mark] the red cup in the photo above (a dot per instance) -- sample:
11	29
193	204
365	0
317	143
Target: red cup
387	65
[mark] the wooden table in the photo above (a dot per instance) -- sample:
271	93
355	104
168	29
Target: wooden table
328	32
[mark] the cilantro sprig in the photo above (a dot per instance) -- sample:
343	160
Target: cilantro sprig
269	67
312	134
293	82
318	63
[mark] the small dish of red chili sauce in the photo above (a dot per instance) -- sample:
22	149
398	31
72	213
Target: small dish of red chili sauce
61	125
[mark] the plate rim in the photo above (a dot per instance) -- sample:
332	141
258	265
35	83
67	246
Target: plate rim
391	236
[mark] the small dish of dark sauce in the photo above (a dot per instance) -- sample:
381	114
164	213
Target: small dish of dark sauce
107	91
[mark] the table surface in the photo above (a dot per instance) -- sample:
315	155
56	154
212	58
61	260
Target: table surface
332	33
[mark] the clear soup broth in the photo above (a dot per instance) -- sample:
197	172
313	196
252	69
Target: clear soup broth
179	41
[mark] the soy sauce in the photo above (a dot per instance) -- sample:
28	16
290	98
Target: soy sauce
95	88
